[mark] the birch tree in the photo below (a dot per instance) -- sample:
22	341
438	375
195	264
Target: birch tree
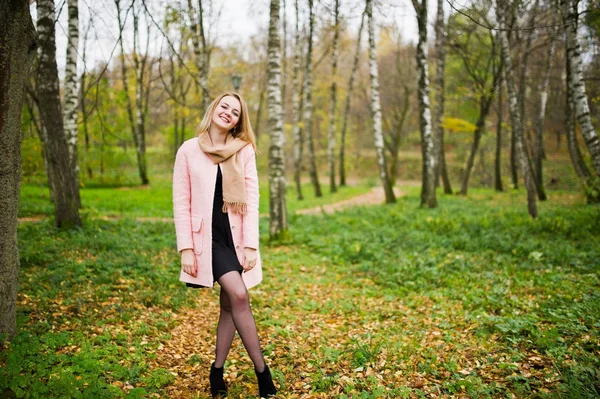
498	165
308	103
296	109
538	152
582	109
376	108
333	98
579	165
277	203
17	51
428	196
440	51
70	89
201	50
63	177
347	106
515	114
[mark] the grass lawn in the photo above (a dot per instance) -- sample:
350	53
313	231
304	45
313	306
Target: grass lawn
472	299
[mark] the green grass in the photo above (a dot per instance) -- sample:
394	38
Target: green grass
472	299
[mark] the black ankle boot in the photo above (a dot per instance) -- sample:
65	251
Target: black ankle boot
217	384
266	388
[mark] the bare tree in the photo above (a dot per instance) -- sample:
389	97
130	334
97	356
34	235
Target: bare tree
308	103
17	50
440	52
70	90
498	165
538	152
201	50
515	114
333	97
347	107
376	108
296	107
137	120
427	142
582	109
66	206
478	50
277	203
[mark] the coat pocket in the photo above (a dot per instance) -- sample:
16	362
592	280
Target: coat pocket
197	234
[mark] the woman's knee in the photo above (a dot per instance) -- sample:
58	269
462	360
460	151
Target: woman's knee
239	298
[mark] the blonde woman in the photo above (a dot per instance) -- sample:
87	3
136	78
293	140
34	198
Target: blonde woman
215	202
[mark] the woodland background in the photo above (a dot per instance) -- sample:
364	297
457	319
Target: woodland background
471	283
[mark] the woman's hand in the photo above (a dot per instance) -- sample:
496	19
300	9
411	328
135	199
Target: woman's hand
250	255
188	262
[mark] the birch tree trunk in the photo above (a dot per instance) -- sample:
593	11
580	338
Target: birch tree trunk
17	51
66	206
515	112
539	133
308	104
575	153
284	62
70	90
376	109
440	51
498	165
582	109
140	125
333	99
277	203
347	107
296	99
427	141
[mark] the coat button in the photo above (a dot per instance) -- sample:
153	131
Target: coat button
237	247
232	227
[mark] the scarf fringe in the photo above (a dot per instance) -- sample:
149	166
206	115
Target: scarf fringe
235	207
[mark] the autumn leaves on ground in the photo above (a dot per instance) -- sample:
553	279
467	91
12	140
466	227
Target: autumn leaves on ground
473	299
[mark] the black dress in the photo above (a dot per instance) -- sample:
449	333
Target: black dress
224	258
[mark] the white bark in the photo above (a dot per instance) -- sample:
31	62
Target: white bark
296	97
539	142
277	203
582	109
70	87
308	103
62	176
376	108
515	114
440	51
347	107
428	195
333	99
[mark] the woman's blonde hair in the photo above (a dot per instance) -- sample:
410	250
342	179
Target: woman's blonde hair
243	129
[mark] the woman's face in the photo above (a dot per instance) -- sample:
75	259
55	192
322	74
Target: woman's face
227	114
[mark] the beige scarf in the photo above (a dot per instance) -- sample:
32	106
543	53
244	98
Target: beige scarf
234	188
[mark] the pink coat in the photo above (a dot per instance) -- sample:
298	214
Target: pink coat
194	178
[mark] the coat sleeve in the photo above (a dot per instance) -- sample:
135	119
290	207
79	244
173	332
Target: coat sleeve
251	235
182	201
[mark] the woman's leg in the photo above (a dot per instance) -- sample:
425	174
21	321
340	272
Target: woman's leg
242	317
225	330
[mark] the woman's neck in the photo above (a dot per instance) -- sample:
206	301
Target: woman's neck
217	136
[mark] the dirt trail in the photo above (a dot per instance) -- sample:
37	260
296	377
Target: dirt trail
374	197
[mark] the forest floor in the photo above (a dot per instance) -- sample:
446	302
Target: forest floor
471	299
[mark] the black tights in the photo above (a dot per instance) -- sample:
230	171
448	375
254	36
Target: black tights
236	315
